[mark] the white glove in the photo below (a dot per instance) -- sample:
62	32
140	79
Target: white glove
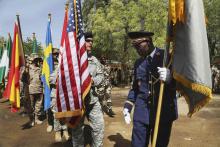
164	74
127	116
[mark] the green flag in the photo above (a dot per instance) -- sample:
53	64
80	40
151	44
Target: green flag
1	51
5	62
34	48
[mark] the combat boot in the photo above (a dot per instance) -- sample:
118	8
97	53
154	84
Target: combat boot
37	121
32	123
66	135
49	128
58	136
111	113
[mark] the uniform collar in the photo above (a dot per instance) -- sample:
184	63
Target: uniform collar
153	53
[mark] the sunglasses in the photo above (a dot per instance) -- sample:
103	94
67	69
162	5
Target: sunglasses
137	42
89	40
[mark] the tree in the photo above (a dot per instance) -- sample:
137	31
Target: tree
113	20
28	45
212	8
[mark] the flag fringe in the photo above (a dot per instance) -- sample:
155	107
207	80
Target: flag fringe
60	115
177	11
206	91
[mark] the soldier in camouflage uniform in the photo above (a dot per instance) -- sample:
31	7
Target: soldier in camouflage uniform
35	88
215	78
58	125
93	108
105	90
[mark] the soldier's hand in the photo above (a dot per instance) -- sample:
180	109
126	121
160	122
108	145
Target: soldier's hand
164	74
127	116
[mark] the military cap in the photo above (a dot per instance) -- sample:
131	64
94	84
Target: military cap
88	35
34	56
140	34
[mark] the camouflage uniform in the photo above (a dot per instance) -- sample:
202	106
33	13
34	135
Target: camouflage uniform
93	109
35	90
104	91
215	78
57	124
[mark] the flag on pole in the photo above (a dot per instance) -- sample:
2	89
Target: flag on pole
191	62
12	90
34	48
5	63
47	68
74	81
1	51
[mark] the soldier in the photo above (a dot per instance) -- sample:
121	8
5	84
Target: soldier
145	92
93	108
106	88
214	78
35	88
58	125
25	77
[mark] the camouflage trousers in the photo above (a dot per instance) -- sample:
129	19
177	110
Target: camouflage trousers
57	125
96	121
36	101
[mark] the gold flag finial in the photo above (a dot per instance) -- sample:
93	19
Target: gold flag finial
67	5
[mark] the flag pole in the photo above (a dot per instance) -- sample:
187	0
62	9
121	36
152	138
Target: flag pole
19	26
160	100
20	34
76	22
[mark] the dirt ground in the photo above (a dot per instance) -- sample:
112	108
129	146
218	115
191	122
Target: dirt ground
202	130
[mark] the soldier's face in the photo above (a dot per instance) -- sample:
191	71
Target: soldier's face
89	43
142	46
55	57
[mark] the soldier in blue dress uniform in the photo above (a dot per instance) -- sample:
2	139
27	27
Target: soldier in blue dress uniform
148	72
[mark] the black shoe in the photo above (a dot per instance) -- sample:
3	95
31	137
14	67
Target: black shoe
111	113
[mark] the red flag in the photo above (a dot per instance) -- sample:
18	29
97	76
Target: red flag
74	81
12	90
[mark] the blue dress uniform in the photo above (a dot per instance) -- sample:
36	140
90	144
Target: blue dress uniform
144	95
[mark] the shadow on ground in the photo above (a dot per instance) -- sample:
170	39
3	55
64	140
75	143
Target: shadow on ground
119	140
62	144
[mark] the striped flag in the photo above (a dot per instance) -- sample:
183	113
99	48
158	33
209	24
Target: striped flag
12	90
74	81
191	62
47	68
5	63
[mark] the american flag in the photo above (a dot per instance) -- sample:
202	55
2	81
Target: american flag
74	80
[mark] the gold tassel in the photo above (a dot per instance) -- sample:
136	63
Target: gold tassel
206	91
177	11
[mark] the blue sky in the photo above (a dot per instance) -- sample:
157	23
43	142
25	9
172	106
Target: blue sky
33	18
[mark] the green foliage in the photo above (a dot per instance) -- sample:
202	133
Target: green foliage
28	45
112	20
212	8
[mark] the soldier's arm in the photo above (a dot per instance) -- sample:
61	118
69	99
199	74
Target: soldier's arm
99	77
52	79
132	93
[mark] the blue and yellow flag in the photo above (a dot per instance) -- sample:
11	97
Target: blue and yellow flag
47	68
